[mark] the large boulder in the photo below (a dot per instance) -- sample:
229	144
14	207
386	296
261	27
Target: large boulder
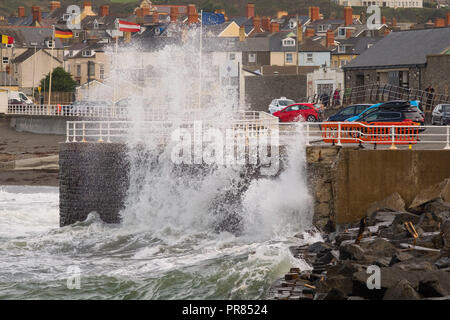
445	233
402	290
379	248
393	203
431	288
437	191
351	251
391	276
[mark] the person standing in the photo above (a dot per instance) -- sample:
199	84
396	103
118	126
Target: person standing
336	97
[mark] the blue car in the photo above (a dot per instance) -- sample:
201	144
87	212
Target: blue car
391	104
348	112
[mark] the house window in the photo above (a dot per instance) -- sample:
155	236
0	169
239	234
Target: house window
66	16
342	32
292	24
95	24
341	49
289	58
78	70
102	72
91	69
252	57
288	42
5	60
76	34
309	57
232	56
87	53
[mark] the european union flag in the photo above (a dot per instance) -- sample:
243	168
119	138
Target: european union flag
209	18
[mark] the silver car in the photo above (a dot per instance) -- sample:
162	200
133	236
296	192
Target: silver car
441	115
278	104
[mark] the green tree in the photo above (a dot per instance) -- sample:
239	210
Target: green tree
62	81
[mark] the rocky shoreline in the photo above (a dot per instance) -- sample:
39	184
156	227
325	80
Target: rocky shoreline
408	248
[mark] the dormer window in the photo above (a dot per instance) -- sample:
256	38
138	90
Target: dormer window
87	53
341	49
95	24
289	42
50	43
323	27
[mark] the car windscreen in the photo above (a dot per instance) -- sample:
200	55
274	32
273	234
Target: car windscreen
285	103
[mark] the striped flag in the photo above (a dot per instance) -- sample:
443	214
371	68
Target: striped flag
126	26
63	34
7	39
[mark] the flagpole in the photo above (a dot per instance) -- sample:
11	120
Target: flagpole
51	70
297	44
115	70
201	49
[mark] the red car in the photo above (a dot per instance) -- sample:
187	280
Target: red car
298	112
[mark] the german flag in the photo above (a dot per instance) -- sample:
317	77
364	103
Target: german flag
63	34
6	39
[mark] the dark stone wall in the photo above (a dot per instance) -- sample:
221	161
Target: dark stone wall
261	90
92	177
437	73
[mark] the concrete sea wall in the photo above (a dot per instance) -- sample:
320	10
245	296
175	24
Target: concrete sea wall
346	181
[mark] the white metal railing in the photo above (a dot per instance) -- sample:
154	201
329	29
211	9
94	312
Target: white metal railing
338	133
161	131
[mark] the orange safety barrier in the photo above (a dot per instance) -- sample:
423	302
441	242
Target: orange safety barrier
381	133
349	132
376	132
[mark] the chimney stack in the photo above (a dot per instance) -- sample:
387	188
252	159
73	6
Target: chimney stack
266	24
274	27
383	20
173	14
104	11
55	5
330	39
87	4
439	23
348	16
37	15
145	11
314	13
447	21
155	17
250	10
257	24
394	22
309	32
139	13
241	33
192	14
21	12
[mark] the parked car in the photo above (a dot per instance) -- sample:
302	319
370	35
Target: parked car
19	96
279	104
393	116
348	112
441	115
390	105
298	112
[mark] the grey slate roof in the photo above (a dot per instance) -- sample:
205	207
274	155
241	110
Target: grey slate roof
356	45
25	36
403	48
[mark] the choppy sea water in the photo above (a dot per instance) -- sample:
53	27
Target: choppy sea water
37	257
